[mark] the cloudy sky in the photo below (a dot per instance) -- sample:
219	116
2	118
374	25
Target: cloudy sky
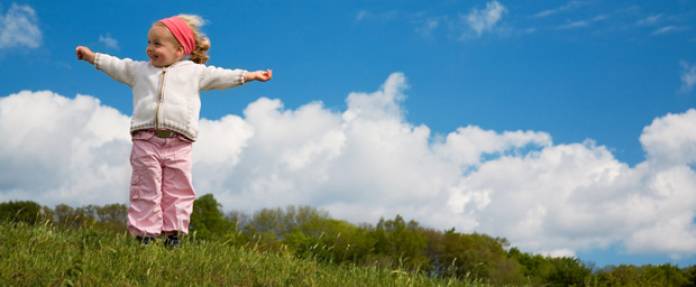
568	127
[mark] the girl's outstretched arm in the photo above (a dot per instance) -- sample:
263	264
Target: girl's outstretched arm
262	76
84	53
118	69
214	78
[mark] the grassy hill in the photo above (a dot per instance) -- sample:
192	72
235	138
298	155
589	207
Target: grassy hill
43	255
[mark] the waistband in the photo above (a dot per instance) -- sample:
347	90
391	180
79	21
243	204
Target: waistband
165	134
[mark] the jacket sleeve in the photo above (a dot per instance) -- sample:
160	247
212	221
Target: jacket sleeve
121	70
214	78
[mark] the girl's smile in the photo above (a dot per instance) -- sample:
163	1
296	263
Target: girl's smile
162	48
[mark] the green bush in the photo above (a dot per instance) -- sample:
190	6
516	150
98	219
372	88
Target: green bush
23	211
207	219
648	275
476	256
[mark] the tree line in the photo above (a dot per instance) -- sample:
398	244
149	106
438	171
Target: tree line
397	243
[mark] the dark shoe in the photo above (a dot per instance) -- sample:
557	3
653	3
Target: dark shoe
172	241
145	240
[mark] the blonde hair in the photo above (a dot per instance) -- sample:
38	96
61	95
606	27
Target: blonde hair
199	54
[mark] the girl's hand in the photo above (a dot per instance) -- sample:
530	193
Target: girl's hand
262	76
84	53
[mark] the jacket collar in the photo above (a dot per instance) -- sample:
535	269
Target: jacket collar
177	64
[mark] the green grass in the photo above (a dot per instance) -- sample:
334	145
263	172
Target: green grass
48	256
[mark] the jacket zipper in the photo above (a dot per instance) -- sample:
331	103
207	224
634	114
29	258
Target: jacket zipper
160	100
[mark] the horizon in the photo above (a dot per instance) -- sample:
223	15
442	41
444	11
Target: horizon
567	127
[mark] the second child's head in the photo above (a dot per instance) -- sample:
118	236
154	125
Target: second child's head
172	39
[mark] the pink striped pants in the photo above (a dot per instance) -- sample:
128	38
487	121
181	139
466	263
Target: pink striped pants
161	191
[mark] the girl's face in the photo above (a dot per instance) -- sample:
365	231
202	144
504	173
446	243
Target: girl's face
162	48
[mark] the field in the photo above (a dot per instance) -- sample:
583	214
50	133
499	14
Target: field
43	255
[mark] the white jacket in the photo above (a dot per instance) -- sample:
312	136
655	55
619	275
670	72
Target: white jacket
167	98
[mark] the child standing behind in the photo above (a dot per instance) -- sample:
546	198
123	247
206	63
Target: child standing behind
166	108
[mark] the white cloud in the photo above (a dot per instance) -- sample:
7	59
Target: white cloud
62	149
567	7
484	20
575	24
368	161
650	20
468	145
688	77
579	197
671	139
109	41
582	23
19	27
427	27
665	30
364	15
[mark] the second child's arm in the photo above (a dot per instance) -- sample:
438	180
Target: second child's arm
214	78
118	69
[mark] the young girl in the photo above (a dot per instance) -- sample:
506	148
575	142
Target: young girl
166	107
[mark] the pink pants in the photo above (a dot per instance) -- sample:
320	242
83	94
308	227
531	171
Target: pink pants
161	192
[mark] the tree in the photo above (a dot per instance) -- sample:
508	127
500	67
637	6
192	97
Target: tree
691	275
113	217
476	256
330	240
22	211
647	275
404	244
66	216
568	271
536	268
207	219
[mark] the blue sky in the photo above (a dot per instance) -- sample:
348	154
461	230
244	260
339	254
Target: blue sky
573	70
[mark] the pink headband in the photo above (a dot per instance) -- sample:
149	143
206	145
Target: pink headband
182	32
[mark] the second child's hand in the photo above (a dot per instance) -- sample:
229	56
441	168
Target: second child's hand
262	76
84	53
266	75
